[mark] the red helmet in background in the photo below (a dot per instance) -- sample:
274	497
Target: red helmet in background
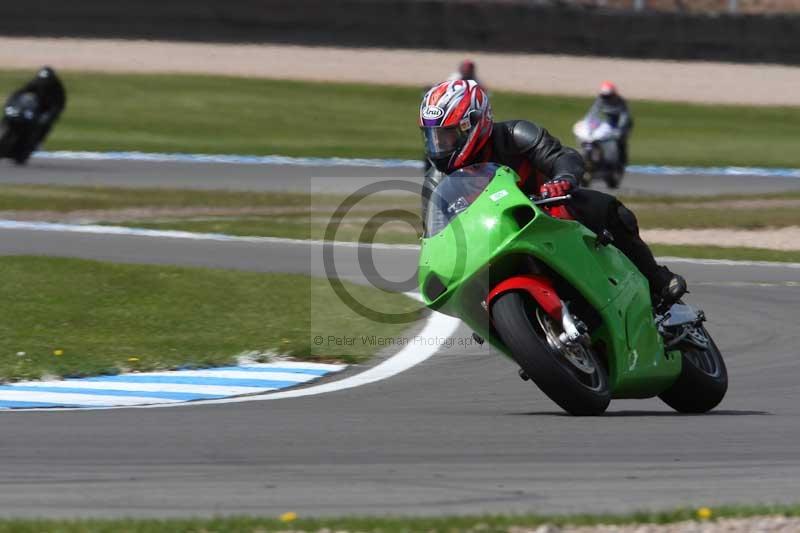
456	122
608	89
467	69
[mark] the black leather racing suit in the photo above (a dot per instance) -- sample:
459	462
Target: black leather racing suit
537	157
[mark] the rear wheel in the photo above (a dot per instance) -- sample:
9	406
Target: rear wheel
572	376
703	381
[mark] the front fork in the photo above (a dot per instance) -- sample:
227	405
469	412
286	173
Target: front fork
575	331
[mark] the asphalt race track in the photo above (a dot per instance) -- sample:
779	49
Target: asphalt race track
460	433
341	179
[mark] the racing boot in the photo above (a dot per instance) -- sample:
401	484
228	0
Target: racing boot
670	292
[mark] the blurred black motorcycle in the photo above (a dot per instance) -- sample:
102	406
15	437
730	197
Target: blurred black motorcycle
29	115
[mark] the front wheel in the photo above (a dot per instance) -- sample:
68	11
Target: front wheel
21	157
613	178
703	381
23	150
573	377
7	139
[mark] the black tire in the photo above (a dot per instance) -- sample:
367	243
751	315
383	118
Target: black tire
514	317
613	178
23	151
7	140
703	381
20	158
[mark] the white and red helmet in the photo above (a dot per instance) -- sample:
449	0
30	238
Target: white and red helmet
607	89
456	122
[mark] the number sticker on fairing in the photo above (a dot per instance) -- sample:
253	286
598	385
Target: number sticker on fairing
498	195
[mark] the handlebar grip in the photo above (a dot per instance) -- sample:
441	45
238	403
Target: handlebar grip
549	201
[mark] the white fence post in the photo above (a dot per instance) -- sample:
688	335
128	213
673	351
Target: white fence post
733	6
639	5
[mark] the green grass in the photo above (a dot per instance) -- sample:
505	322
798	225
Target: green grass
214	114
472	524
64	199
705	200
719	252
653	212
299	227
699	218
311	216
296	227
776	210
103	314
300	231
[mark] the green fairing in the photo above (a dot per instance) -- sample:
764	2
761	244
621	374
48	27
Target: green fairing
482	246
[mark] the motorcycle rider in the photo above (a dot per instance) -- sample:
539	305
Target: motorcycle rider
52	99
458	131
466	71
611	105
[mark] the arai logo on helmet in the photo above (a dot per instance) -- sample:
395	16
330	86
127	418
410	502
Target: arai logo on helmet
432	112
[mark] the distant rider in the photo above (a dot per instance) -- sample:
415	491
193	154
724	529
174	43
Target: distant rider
52	99
613	107
458	131
466	71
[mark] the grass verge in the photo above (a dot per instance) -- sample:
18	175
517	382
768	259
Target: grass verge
719	252
300	216
360	229
213	114
472	524
104	317
270	214
65	199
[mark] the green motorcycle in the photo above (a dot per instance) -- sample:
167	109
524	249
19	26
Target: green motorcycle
562	302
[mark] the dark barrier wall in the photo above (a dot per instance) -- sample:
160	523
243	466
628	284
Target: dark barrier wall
505	26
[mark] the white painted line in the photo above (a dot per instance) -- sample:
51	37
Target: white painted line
219	237
437	325
185	235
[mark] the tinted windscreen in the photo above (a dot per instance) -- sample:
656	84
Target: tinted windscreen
455	193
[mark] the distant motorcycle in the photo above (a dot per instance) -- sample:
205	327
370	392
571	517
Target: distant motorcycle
600	151
19	127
